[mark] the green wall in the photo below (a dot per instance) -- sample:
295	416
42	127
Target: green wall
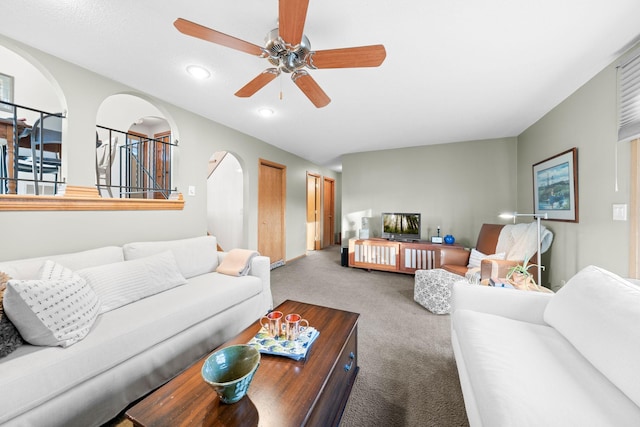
456	186
587	120
25	234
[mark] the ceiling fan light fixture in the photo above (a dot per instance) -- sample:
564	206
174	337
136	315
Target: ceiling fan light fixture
198	72
288	58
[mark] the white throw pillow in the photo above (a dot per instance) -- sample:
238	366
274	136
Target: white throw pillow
476	257
59	310
194	256
124	282
598	312
53	270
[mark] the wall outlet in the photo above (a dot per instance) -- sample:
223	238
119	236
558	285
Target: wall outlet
192	190
619	212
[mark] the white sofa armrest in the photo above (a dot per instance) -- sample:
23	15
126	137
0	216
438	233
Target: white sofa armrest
260	268
527	306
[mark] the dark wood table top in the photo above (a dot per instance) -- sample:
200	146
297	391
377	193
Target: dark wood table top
283	391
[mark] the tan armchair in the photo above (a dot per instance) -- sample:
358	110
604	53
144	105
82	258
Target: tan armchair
455	259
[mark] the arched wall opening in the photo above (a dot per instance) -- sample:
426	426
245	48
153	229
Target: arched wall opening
135	153
226	219
29	94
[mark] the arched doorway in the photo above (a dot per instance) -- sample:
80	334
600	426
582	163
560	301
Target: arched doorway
225	200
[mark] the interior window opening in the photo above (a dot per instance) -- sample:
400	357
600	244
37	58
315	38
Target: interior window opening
30	129
135	163
135	150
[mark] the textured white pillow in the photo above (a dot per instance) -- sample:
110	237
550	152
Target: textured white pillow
53	270
598	312
476	257
194	256
124	282
57	310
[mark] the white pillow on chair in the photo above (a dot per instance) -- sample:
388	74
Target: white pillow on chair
476	258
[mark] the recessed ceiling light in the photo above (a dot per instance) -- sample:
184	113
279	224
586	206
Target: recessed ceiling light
198	72
266	112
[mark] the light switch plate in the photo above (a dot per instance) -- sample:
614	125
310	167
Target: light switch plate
192	190
619	212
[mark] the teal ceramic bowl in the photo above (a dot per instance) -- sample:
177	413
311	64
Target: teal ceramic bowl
229	371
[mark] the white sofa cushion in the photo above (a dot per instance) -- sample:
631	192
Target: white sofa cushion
195	256
31	268
525	374
124	282
598	312
58	309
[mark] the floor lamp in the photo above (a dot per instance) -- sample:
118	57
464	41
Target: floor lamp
538	217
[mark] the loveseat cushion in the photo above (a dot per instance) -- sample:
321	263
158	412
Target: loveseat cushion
124	282
598	312
525	374
194	256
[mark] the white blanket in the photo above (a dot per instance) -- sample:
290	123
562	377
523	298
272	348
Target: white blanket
519	241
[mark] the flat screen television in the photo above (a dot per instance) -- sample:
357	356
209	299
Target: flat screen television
400	226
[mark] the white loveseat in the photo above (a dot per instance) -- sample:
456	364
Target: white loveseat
564	359
132	349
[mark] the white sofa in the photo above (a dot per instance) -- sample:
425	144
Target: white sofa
135	348
564	359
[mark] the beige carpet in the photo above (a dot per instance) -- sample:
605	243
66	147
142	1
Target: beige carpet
408	375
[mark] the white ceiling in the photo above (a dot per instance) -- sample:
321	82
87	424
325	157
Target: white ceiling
455	70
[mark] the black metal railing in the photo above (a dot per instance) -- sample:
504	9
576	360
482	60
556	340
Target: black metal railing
144	164
29	155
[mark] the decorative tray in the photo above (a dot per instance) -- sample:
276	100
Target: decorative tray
295	349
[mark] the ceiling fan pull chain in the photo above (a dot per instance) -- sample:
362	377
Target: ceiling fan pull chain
281	87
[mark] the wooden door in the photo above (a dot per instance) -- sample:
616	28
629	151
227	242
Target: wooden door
162	166
328	209
272	179
313	212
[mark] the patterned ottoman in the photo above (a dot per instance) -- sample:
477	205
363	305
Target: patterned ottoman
432	289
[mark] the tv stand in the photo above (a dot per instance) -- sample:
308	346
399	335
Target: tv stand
395	256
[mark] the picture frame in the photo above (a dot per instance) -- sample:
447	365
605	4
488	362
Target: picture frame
6	92
555	187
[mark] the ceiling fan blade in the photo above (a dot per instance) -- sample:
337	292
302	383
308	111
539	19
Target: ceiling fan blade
204	33
310	88
258	83
350	57
291	17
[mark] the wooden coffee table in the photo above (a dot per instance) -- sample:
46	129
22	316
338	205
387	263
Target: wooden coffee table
284	392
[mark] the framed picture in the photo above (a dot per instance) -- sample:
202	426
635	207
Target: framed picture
6	92
555	186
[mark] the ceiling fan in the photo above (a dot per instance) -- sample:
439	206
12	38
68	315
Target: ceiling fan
289	51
